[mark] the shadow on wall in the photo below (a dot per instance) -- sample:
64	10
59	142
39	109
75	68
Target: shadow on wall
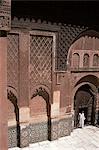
13	100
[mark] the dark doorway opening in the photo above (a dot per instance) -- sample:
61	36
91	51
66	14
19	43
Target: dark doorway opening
84	100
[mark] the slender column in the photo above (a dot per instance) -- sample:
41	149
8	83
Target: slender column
3	94
91	60
56	104
97	110
5	25
24	88
55	115
81	60
24	69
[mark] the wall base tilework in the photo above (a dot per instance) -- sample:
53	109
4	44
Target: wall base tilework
54	129
65	127
12	137
24	137
39	132
61	127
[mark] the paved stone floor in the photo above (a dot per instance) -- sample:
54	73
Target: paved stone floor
80	139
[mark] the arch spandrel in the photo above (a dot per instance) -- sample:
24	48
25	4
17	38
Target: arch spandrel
85	42
88	78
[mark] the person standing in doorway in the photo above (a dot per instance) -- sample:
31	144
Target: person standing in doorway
81	119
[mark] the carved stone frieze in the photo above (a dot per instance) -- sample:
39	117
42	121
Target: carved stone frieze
5	15
66	36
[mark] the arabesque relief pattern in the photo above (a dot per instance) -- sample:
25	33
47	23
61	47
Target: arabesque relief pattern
5	15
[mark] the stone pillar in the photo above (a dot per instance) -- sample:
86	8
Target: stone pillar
3	93
65	121
97	110
91	60
55	115
24	88
81	60
66	91
5	24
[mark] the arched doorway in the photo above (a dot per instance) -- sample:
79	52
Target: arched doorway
85	77
13	114
85	100
40	113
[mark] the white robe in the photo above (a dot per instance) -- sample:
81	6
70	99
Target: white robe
81	120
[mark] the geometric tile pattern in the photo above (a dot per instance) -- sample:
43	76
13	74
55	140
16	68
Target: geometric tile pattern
54	130
40	60
12	137
65	126
38	132
60	128
67	35
80	139
24	137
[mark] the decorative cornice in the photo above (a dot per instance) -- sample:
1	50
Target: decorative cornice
30	24
67	34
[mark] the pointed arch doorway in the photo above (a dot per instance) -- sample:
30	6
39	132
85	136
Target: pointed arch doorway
85	100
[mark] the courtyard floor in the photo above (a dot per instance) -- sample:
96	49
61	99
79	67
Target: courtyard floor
80	139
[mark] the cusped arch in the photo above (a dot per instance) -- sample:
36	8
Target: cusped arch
12	95
42	95
43	91
40	107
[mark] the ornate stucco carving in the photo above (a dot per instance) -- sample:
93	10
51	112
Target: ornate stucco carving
5	15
